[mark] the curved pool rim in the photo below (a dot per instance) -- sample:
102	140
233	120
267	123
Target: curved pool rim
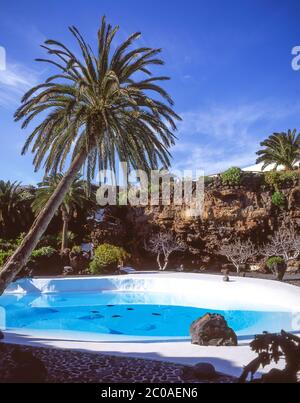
180	289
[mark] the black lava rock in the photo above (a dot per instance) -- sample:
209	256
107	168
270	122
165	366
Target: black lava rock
212	330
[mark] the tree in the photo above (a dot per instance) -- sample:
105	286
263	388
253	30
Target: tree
238	252
94	108
271	348
13	207
163	245
75	199
283	247
281	149
284	243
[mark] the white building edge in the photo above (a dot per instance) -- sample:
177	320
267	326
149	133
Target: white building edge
259	168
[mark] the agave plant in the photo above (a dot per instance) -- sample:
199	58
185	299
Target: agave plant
281	149
95	108
74	200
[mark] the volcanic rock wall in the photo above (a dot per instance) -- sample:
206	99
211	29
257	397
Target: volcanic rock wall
244	211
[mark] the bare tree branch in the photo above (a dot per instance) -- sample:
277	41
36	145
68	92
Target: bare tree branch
238	252
163	245
285	243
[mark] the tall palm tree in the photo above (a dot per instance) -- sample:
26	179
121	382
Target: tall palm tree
74	200
13	207
281	149
98	107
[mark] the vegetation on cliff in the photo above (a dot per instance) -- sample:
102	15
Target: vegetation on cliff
280	149
107	258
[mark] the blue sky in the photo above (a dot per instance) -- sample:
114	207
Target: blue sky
229	60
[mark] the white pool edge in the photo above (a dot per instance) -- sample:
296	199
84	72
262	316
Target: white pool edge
229	360
226	360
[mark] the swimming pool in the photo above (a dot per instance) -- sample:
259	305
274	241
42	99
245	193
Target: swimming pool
146	306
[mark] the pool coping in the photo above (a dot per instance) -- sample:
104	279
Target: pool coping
226	360
229	360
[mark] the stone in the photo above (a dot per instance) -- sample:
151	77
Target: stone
67	271
255	267
205	371
201	371
180	269
212	330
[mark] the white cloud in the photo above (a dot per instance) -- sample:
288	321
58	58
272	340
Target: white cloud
220	121
14	82
218	137
213	159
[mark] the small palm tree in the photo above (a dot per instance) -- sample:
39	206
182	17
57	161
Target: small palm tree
13	207
94	109
75	200
281	149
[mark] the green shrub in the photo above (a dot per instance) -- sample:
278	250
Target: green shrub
76	249
46	251
232	176
288	175
6	245
278	199
11	244
4	256
278	266
106	257
19	239
272	179
273	261
49	240
276	178
7	248
70	236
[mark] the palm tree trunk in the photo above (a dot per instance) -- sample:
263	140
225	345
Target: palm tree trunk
66	219
21	255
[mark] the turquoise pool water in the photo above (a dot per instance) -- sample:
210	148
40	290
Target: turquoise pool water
124	314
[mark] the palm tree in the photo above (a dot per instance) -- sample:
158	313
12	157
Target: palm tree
13	207
281	149
74	200
95	109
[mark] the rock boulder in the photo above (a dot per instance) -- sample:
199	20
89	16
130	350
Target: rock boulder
212	330
201	371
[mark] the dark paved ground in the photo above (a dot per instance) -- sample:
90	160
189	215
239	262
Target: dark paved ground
66	366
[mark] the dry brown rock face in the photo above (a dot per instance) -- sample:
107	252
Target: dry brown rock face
244	211
108	228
